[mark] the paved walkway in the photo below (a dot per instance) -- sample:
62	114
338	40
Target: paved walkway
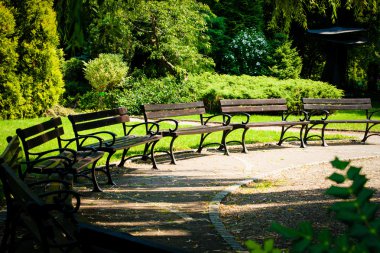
179	204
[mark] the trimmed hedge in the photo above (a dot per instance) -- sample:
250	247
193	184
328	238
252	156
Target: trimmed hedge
213	87
207	87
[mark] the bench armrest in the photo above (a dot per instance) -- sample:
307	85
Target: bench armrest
224	115
325	114
101	140
247	115
169	120
81	140
41	156
286	114
151	130
371	113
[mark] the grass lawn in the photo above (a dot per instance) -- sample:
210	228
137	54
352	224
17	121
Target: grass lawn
183	142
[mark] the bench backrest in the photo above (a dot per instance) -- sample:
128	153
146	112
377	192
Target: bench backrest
93	120
336	104
39	134
252	105
95	239
12	154
157	111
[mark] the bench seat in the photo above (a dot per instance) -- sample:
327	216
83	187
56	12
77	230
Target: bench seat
195	130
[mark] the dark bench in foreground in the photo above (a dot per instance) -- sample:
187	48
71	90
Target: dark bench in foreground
59	160
36	225
89	126
160	113
318	111
248	107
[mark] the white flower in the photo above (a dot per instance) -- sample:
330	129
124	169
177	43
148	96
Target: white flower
258	64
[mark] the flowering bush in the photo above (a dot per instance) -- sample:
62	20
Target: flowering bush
247	54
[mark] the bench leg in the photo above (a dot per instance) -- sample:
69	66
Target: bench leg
95	184
122	161
301	137
171	153
200	147
307	129
324	144
108	172
367	128
146	148
282	135
223	144
152	155
245	150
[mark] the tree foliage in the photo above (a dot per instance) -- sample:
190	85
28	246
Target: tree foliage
286	11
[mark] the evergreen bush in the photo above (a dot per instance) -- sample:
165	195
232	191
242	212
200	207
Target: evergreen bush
38	65
287	64
10	90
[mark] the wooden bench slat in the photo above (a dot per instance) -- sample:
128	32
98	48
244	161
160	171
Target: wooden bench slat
336	101
337	107
199	130
241	102
126	142
39	128
173	113
42	138
99	114
263	108
178	106
102	122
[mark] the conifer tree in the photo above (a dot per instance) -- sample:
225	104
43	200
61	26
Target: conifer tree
38	65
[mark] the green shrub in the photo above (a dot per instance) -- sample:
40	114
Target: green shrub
138	91
214	87
106	72
155	91
355	210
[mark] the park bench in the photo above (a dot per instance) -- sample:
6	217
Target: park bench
36	225
248	107
60	160
31	211
318	111
88	125
164	113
